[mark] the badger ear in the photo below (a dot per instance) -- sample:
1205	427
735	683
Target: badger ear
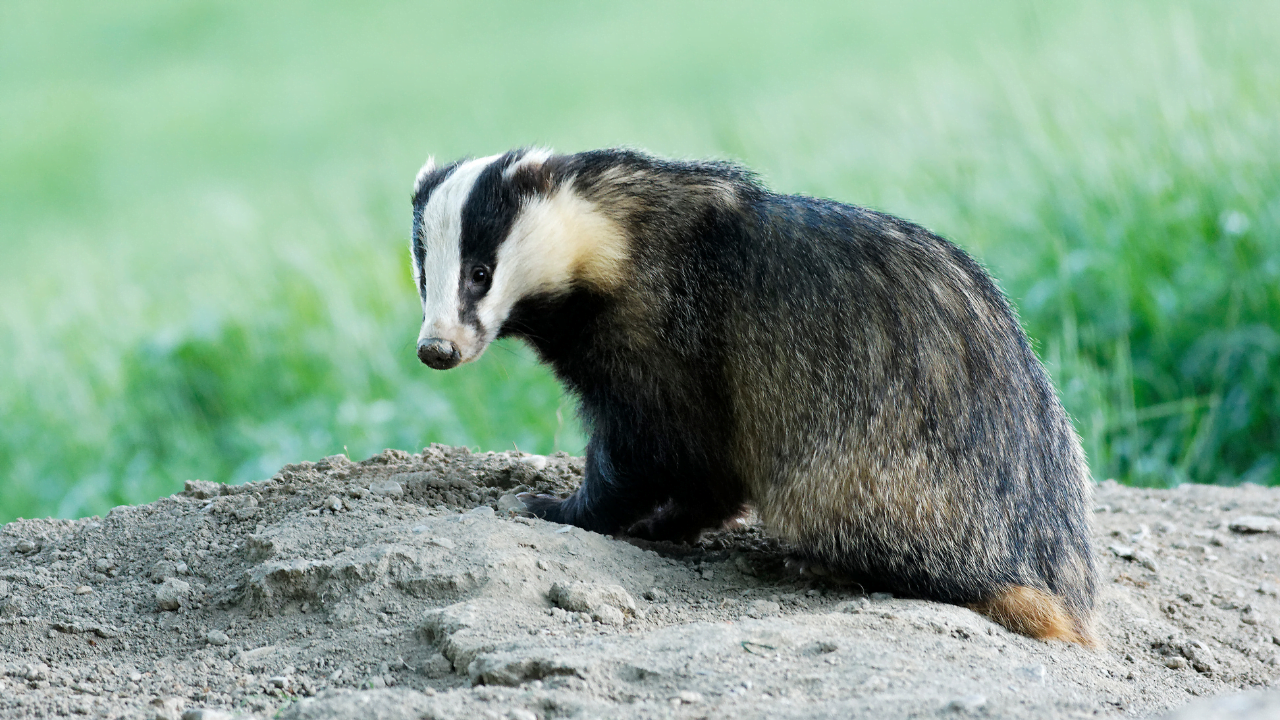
426	170
530	174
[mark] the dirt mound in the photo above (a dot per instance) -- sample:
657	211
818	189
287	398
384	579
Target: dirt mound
403	587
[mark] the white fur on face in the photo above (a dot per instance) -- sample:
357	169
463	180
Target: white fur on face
442	263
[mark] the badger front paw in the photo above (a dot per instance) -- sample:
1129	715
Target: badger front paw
542	506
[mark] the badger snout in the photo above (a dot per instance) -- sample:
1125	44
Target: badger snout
438	353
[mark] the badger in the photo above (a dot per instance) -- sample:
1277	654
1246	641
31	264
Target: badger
859	381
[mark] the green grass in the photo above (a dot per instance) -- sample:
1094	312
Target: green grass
204	209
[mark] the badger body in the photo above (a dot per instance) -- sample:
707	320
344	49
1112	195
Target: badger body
858	380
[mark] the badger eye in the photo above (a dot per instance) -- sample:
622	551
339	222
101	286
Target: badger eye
480	276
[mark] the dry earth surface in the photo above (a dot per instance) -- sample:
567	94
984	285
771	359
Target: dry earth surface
405	587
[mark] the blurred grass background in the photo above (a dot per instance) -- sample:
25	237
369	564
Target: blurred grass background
204	208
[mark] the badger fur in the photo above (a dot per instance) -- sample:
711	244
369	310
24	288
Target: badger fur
857	379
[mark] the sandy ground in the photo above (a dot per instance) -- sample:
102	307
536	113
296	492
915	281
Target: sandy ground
401	587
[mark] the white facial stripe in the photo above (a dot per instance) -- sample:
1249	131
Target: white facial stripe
442	264
555	241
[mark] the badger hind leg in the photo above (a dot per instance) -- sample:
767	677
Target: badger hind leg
679	521
1036	613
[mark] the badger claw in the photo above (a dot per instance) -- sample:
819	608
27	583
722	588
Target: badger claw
546	507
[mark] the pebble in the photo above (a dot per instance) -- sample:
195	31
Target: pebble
967	704
689	697
206	714
389	488
203	489
537	462
332	503
608	615
482	511
763	608
168	708
1141	557
1175	663
1250	524
443	542
217	637
278	681
522	714
508	504
1034	673
542	565
84	590
4	589
655	594
25	546
172	593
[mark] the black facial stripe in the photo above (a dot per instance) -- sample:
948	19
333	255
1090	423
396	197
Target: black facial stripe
420	198
487	216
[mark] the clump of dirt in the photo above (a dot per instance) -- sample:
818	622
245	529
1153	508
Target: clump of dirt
408	585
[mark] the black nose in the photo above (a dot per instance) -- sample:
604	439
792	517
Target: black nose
438	353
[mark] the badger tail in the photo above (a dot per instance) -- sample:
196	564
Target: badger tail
1038	614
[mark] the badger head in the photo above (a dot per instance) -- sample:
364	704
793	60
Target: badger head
490	232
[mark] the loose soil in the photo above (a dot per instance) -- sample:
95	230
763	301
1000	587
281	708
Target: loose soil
405	586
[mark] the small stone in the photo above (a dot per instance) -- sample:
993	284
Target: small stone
591	598
26	547
1175	663
168	708
4	589
1034	673
443	542
1251	524
103	565
388	488
689	697
882	596
511	505
763	608
522	714
84	590
172	593
967	704
217	637
608	615
278	681
1121	551
203	489
206	714
377	683
537	462
482	511
542	564
161	570
655	594
333	503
